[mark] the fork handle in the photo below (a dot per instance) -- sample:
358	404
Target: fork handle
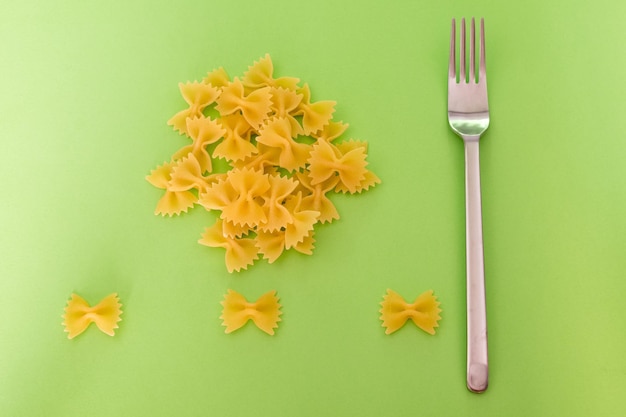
477	363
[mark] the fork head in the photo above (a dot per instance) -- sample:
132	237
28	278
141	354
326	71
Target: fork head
468	108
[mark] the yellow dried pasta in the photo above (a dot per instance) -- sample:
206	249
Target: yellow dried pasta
254	107
237	311
198	96
277	133
326	161
203	132
240	252
261	74
280	158
424	312
172	202
237	141
79	315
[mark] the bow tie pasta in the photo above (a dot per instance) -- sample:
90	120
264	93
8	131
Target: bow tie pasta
424	312
284	157
264	312
79	315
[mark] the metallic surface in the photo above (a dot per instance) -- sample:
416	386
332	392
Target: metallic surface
468	115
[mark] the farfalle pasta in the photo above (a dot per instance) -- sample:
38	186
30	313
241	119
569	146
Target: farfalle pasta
203	132
198	96
172	202
327	161
424	312
264	312
278	133
79	315
283	157
240	251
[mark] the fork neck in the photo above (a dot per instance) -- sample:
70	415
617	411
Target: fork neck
470	138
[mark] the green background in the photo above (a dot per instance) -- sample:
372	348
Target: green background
86	89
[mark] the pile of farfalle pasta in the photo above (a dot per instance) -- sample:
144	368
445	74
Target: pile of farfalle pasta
284	156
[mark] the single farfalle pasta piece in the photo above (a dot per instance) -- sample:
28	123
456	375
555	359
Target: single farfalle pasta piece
199	96
301	227
326	160
369	180
265	312
277	215
317	198
277	133
187	175
254	107
247	208
424	312
79	315
261	74
285	104
172	202
315	116
203	131
240	252
237	144
264	158
285	101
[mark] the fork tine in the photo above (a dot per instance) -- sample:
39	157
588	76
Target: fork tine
462	77
483	68
472	70
452	64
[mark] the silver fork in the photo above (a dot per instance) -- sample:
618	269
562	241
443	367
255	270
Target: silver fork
468	115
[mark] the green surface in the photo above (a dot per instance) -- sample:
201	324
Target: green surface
86	89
